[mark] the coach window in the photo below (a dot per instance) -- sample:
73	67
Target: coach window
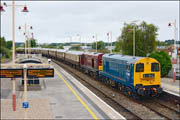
154	67
140	67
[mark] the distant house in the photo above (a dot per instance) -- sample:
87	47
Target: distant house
169	49
109	47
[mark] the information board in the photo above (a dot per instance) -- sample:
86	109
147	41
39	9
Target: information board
40	72
11	73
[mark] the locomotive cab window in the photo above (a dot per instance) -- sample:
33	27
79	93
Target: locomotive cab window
154	67
140	67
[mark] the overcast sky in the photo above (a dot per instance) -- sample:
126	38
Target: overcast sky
55	21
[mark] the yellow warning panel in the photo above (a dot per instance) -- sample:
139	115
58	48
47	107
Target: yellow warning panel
40	73
11	73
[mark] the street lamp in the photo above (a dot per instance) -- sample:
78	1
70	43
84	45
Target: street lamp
134	30
26	37
134	37
70	38
25	9
109	34
79	38
96	41
13	24
2	9
174	55
13	44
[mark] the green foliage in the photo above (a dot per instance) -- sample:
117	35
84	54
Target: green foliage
160	43
118	46
100	45
9	45
76	47
32	43
3	42
145	39
47	46
165	61
4	51
60	47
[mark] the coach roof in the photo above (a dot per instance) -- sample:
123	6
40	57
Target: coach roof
75	52
92	53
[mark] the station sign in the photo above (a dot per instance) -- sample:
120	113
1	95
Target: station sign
40	72
25	104
11	73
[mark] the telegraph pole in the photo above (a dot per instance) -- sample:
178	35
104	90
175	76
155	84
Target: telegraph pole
134	37
174	55
174	75
111	41
96	42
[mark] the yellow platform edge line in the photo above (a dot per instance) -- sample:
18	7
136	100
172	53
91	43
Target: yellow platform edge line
82	102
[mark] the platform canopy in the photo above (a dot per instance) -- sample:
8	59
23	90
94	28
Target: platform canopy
30	60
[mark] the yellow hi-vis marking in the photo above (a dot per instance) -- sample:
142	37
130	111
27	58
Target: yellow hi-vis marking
82	102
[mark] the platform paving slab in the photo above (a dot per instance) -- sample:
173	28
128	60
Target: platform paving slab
169	85
38	109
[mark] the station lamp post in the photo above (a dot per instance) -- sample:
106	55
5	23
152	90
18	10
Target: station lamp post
26	36
174	54
13	41
95	41
134	39
70	39
109	34
79	38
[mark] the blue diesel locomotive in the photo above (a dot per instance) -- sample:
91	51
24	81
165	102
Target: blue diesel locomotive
132	75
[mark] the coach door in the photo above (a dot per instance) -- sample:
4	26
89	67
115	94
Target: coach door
92	63
128	68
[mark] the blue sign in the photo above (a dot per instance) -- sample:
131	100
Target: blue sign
25	104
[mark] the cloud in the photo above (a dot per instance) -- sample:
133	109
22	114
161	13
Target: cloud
54	21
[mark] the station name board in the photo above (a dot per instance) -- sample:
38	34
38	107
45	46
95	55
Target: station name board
11	73
40	73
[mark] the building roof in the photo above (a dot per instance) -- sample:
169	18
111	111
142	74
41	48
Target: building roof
30	60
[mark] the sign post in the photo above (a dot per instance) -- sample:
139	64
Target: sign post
25	73
25	91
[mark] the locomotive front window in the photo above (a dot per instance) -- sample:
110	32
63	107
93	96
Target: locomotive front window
154	67
140	67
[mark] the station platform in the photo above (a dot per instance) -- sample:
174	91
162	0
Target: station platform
170	86
61	97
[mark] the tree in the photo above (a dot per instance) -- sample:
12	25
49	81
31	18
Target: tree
9	45
4	51
165	61
75	47
100	45
2	42
145	39
32	42
60	47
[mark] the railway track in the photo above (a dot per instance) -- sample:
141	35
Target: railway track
131	109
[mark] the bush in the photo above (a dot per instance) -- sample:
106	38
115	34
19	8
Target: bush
165	61
76	47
